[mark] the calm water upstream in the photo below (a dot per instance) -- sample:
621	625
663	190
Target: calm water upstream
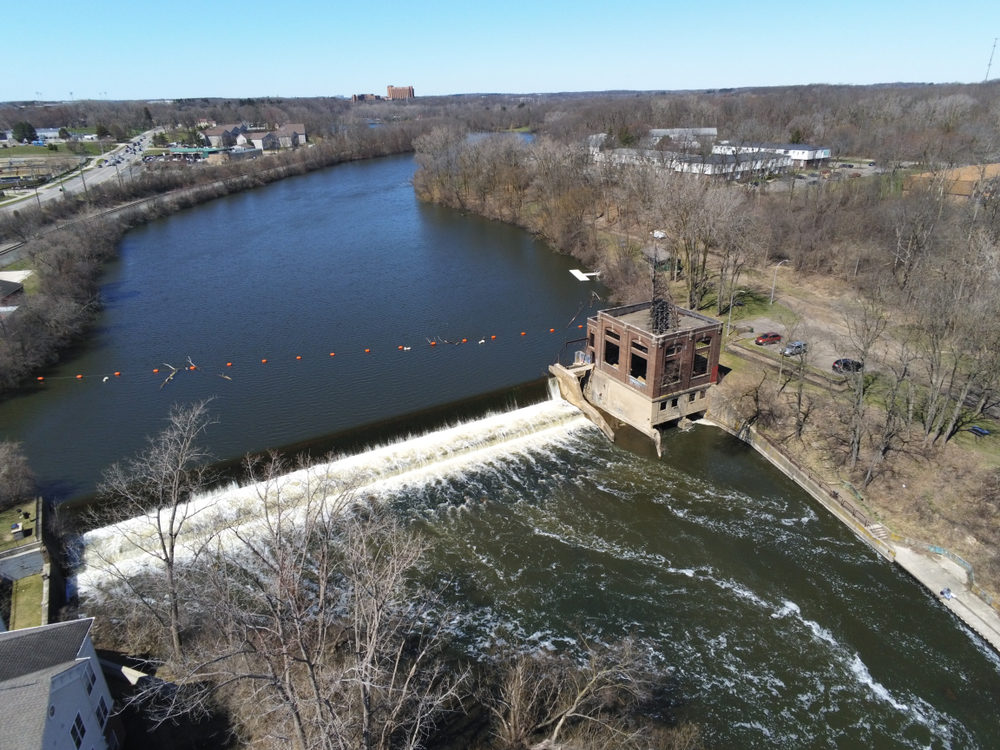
780	628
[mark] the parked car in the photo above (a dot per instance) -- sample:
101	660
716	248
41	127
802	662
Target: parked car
848	365
794	348
768	338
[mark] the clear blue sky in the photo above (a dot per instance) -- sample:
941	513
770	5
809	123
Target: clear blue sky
146	50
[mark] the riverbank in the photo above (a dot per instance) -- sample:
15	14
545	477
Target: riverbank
73	229
935	571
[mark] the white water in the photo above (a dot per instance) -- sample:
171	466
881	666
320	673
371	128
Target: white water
129	547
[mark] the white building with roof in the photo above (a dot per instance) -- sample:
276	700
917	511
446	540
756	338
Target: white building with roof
736	166
52	691
801	154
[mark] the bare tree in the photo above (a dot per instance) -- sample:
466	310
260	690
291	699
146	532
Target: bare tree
865	328
158	485
17	483
889	432
313	633
597	700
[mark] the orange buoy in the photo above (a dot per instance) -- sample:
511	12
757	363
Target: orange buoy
580	326
400	347
524	333
229	364
332	354
263	361
465	341
368	351
156	369
40	378
118	373
434	343
298	356
552	330
493	337
79	377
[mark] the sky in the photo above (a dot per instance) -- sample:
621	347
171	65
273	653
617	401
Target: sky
94	49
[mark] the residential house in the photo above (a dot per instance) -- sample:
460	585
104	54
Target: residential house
54	695
259	139
726	166
291	135
223	136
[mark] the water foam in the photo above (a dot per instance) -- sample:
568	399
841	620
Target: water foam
120	549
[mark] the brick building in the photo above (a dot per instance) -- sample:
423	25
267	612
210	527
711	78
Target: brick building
648	375
399	92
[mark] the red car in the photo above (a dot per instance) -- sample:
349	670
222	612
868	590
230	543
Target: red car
768	338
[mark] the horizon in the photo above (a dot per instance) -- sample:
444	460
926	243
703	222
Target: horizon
604	92
447	48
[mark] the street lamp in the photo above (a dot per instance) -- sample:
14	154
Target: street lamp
775	280
732	296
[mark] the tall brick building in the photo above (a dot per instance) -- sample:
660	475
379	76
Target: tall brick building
399	92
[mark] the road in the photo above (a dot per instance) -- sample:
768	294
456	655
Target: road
122	163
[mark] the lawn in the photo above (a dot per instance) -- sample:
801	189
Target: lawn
12	516
26	603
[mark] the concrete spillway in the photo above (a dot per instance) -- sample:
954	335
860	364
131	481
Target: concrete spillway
123	547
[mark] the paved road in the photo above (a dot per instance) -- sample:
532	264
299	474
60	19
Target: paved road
123	161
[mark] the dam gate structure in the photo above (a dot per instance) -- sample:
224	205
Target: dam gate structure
648	365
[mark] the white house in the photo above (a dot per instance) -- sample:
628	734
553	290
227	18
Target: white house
52	692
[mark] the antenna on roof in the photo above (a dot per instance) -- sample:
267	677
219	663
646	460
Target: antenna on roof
662	308
990	63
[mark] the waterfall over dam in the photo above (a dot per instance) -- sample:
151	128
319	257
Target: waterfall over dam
370	474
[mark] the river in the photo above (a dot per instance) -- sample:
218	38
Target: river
779	627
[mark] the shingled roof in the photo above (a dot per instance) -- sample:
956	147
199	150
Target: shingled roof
29	659
31	649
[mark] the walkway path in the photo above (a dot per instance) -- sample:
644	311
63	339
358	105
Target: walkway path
938	573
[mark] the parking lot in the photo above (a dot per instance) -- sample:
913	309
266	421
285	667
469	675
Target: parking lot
820	320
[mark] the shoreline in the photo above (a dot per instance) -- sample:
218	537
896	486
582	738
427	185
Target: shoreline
935	571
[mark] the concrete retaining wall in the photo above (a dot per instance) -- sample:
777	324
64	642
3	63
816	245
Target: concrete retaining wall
829	498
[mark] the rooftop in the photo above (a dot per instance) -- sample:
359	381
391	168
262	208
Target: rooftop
32	649
29	659
639	316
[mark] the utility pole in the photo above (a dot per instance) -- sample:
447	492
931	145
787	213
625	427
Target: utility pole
990	63
84	181
774	281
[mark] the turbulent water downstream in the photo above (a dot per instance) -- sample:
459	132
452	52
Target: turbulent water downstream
779	627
